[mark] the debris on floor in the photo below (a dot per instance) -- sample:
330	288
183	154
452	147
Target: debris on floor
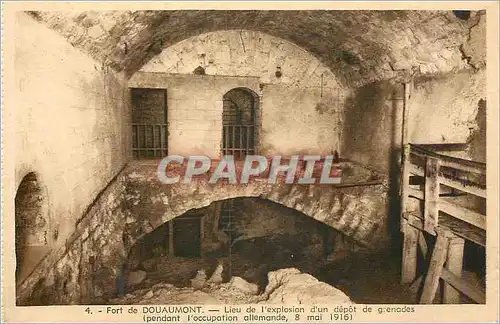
285	286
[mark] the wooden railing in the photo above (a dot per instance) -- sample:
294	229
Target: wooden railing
149	140
451	196
437	179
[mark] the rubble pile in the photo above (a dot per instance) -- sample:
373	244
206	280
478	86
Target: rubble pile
285	286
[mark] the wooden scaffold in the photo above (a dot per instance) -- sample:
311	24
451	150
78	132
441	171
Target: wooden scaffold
443	196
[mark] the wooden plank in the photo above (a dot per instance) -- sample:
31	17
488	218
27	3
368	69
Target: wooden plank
454	225
435	268
431	196
419	194
463	229
445	146
463	213
458	185
454	264
464	287
409	262
422	244
449	161
416	170
403	223
415	285
405	179
414	221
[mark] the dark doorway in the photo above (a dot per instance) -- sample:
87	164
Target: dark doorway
32	227
187	240
149	123
238	120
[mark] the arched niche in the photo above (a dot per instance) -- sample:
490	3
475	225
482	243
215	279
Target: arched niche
31	225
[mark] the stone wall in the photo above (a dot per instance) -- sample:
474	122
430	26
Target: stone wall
292	120
357	210
71	122
442	109
68	125
372	124
245	53
300	121
300	110
88	267
194	108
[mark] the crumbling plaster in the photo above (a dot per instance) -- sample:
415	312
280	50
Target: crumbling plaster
359	47
68	126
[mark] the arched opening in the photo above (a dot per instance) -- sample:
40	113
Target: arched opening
32	226
239	116
249	238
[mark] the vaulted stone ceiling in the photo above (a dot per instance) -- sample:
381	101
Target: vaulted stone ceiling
359	46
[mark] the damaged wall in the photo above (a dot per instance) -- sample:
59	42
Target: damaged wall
305	100
71	124
371	129
85	268
442	109
356	211
89	266
300	120
359	46
245	53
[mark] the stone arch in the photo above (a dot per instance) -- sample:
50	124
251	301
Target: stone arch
32	226
245	53
356	211
236	224
240	122
296	89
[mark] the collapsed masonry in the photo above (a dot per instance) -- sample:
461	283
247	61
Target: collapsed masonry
136	204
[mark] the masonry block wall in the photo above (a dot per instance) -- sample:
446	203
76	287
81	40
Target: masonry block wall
300	111
148	107
444	108
69	126
194	108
